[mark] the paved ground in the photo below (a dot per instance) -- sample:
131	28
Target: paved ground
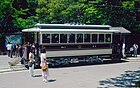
5	67
68	77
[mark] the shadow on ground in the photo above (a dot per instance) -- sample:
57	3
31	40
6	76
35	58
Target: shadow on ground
129	79
38	76
52	80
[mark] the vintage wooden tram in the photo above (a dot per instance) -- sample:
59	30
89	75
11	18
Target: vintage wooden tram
68	43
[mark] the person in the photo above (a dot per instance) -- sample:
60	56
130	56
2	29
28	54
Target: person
31	63
24	59
12	49
123	50
135	48
118	49
131	50
33	47
44	63
9	47
20	50
16	51
28	46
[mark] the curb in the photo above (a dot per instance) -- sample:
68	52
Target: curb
12	68
133	59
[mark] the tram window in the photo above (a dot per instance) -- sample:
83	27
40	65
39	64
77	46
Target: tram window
63	38
71	38
101	37
55	38
86	37
108	38
46	38
79	38
94	37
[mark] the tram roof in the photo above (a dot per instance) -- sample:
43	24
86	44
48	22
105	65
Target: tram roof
75	28
71	26
69	30
121	29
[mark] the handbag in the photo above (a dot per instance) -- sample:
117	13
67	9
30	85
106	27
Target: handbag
30	63
44	67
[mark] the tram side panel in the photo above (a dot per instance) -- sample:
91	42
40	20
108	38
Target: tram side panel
67	56
78	52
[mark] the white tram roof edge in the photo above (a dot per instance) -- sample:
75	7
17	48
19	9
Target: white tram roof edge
69	30
78	25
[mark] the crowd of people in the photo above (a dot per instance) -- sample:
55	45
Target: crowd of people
27	52
133	50
19	50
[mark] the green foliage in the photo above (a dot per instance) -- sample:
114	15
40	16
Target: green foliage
9	16
25	23
92	15
129	4
120	13
20	14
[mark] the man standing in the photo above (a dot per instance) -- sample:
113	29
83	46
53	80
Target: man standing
123	51
9	48
135	47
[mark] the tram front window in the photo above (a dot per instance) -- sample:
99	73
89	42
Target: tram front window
55	38
63	38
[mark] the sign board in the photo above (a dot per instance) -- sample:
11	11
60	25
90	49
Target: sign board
15	39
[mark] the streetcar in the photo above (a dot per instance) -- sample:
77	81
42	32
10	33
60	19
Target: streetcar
73	44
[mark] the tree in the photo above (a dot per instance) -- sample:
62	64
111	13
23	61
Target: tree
118	13
6	15
67	11
9	16
26	13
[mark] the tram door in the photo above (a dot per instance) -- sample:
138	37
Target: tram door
116	46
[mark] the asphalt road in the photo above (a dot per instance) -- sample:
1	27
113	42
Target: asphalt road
68	77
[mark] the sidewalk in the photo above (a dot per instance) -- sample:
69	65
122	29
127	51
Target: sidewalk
131	59
5	67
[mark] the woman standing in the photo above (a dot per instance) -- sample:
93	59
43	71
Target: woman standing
44	65
31	63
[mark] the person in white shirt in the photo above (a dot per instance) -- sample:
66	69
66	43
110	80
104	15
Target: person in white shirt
9	48
123	50
44	63
31	63
135	48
